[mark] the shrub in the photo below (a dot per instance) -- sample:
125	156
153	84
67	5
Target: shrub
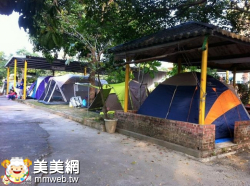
243	93
111	114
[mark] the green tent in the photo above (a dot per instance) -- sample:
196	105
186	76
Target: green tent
115	98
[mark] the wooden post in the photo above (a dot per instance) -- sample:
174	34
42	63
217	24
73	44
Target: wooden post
179	65
227	77
203	85
234	77
25	80
15	67
8	80
126	88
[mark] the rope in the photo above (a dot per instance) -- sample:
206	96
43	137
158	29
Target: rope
225	118
194	74
141	80
236	106
238	113
189	63
191	103
171	102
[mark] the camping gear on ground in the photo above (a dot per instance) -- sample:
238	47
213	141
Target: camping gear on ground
76	101
178	98
60	89
84	102
76	87
37	88
114	96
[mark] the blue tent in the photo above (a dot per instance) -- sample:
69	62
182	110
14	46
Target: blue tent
177	98
37	88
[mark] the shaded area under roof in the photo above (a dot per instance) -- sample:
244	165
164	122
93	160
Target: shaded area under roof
42	63
226	50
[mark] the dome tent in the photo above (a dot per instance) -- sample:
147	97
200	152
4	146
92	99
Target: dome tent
114	96
61	88
37	88
178	98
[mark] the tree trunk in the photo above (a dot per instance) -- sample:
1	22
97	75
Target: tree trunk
92	89
92	77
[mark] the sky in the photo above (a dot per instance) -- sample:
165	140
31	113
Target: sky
12	37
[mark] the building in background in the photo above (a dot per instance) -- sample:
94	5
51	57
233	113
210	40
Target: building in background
241	78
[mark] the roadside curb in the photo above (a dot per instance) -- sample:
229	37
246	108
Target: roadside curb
90	122
76	119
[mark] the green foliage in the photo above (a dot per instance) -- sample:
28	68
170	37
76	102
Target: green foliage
86	27
117	75
174	71
25	52
243	92
151	68
111	114
3	71
123	20
148	68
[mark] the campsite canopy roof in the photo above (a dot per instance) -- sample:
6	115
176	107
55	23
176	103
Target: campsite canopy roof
226	50
42	63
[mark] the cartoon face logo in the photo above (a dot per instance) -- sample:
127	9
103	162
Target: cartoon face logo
5	180
17	169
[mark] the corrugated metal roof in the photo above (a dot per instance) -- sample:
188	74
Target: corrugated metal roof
177	33
42	63
226	50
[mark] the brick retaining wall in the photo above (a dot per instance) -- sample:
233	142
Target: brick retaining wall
198	137
242	132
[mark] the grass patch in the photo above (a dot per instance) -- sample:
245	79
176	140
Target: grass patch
76	112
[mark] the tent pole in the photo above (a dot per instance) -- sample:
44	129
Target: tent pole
63	94
234	77
179	65
25	80
8	80
227	77
203	83
74	90
47	90
15	67
126	87
52	93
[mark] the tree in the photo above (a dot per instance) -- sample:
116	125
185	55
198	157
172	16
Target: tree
25	52
174	71
228	14
3	71
86	28
89	28
145	14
